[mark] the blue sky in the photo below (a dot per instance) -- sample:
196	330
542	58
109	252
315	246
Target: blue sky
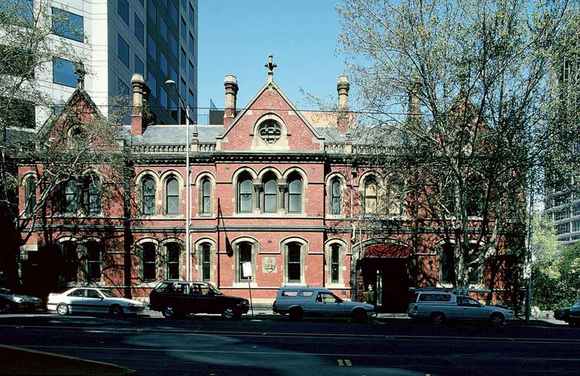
236	37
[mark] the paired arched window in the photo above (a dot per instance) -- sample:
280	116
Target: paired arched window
335	196
270	194
447	264
205	261
149	261
245	196
92	194
172	196
295	193
148	188
70	196
205	196
294	262
173	251
370	190
70	261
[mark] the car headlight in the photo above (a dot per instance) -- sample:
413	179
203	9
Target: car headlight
17	299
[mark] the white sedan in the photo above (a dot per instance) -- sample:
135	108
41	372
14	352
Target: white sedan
92	300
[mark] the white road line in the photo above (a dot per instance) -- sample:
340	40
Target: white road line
279	353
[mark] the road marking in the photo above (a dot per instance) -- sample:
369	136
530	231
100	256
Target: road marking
340	362
348	363
343	357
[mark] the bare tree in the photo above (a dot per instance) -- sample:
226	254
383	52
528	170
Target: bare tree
468	140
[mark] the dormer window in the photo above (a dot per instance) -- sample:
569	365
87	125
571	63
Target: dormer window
270	131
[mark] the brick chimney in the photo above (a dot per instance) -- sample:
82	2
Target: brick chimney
231	92
414	106
140	93
343	86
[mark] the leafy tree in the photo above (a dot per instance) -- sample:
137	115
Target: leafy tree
474	137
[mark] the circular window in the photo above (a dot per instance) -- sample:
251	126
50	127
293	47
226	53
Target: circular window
270	131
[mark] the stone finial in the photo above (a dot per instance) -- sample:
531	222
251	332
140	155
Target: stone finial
81	72
342	86
270	66
140	91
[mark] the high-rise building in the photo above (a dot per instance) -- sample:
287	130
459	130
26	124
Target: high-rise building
115	39
563	202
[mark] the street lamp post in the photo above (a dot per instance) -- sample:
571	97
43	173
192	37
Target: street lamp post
172	84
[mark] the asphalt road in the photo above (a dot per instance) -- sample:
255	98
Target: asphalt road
212	346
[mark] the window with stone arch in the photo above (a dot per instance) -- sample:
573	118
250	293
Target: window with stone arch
244	253
335	197
70	261
269	196
294	262
295	189
29	195
370	193
204	252
172	258
334	262
172	196
70	197
94	260
91	194
148	191
447	263
148	261
245	195
205	196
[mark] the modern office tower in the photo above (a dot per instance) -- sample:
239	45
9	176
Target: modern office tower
563	204
117	38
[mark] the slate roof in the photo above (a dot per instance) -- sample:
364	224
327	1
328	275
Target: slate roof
174	134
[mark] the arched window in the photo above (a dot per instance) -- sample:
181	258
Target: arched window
270	196
93	261
335	263
244	255
335	196
370	196
447	263
294	262
71	196
30	195
295	194
205	261
205	197
245	195
92	195
149	257
173	253
172	196
148	196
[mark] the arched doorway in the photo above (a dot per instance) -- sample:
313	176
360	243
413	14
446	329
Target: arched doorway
383	269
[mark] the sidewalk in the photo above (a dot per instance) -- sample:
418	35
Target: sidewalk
18	361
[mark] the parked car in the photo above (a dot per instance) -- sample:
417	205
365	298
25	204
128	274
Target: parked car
570	315
11	302
80	300
175	299
317	301
439	306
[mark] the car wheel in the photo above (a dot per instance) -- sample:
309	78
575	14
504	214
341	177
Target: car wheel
437	318
497	319
169	312
116	311
230	313
62	309
296	313
359	315
5	307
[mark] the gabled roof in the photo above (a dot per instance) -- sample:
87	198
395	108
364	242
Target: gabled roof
77	96
267	86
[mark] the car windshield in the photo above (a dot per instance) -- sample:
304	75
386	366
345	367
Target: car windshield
107	293
214	289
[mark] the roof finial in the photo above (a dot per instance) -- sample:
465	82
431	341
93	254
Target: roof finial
81	73
270	66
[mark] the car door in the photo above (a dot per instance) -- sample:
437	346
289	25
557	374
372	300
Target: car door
326	304
471	309
75	299
94	302
200	299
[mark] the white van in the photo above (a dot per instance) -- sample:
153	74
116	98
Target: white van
298	302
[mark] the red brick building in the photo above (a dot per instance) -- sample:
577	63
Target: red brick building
272	186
